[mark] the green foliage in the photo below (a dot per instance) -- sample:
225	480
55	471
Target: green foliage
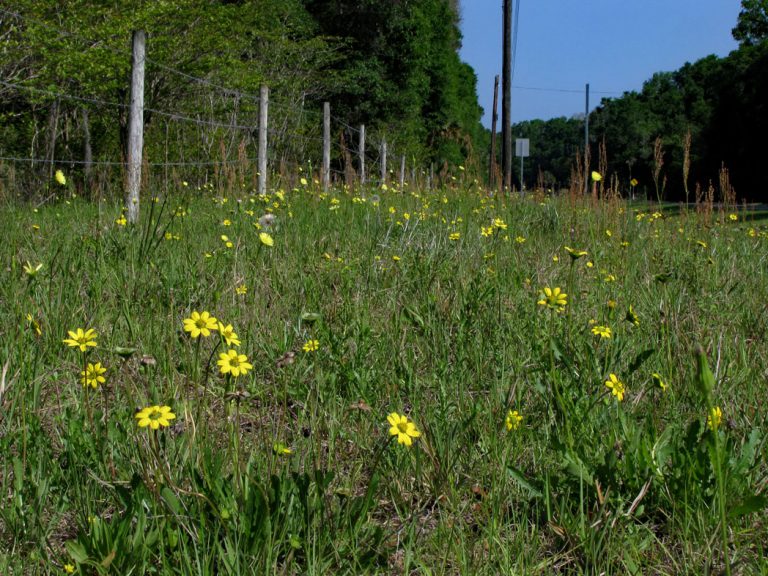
449	333
393	66
752	25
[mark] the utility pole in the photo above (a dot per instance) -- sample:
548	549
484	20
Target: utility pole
494	118
506	98
586	143
135	127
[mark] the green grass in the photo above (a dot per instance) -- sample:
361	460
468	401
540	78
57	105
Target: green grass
450	334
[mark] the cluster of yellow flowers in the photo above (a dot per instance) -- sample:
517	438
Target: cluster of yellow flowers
93	373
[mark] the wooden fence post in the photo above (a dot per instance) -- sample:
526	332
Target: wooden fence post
326	146
135	127
263	122
402	171
383	154
361	152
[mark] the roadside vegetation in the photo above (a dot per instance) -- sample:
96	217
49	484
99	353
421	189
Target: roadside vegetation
381	382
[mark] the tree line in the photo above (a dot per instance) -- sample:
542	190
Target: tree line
391	65
708	117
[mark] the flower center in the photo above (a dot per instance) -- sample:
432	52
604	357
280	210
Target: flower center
402	427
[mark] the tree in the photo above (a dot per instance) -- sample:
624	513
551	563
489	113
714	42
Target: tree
752	25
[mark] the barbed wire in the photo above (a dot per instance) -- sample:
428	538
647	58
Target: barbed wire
63	95
62	162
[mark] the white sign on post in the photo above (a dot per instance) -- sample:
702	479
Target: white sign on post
522	146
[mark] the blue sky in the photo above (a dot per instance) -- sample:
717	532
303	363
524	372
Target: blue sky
615	45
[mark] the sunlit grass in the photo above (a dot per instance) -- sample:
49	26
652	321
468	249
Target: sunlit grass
444	383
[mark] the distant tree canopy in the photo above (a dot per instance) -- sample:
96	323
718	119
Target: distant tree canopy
723	102
390	64
752	26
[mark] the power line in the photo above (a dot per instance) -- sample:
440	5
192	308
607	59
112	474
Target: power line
564	90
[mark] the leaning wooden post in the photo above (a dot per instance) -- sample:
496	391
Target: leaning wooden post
135	127
326	146
263	122
402	171
383	154
361	151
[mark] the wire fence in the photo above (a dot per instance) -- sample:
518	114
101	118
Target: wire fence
206	131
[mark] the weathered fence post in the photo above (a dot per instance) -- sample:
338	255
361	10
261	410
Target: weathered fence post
87	150
402	171
383	154
326	146
263	122
361	151
135	127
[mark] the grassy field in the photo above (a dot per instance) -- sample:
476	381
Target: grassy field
614	427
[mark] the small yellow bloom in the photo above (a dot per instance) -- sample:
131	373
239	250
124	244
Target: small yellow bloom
659	381
499	223
154	417
402	428
454	236
281	449
228	334
486	231
616	386
200	324
714	418
575	254
633	182
596	176
93	375
60	178
122	221
69	568
520	240
311	346
266	239
34	325
241	290
230	362
602	331
553	298
631	317
514	418
81	339
31	270
734	217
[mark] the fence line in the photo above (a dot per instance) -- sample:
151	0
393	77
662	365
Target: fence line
343	155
